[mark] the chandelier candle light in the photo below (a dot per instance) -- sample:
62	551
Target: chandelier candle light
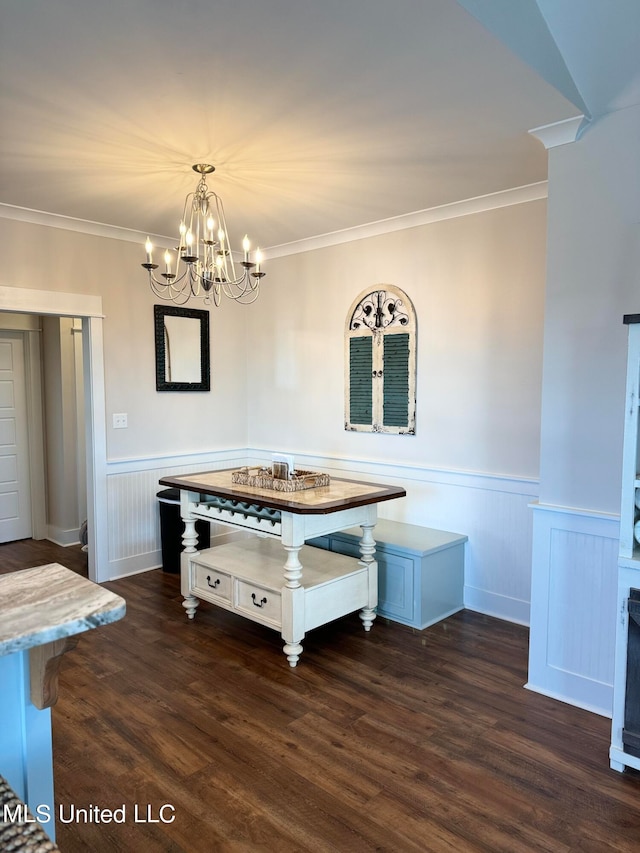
204	262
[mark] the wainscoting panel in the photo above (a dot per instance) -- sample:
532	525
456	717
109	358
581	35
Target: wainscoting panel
493	511
573	606
134	517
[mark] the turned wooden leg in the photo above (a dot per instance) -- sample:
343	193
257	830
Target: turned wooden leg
367	615
189	547
190	604
190	536
293	652
368	558
292	599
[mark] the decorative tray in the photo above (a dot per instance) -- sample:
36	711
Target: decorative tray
262	478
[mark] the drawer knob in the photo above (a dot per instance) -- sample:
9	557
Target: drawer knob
214	584
263	601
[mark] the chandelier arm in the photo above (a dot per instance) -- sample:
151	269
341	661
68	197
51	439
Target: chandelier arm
246	295
175	280
169	294
253	298
236	289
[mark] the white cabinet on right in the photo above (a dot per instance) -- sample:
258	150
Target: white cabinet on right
420	570
625	729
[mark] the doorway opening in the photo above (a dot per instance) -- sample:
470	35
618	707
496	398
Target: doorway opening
88	310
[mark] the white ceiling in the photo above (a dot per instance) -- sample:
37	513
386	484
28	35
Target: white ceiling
319	115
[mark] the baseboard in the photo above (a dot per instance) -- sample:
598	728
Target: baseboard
602	711
135	565
497	606
65	538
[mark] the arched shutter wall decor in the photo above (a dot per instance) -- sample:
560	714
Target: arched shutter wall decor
380	363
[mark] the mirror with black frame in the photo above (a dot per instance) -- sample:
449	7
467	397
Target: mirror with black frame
182	349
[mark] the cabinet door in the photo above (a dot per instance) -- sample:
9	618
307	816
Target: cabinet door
395	587
395	580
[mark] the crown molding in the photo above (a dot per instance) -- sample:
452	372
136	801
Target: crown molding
467	207
69	223
453	210
560	132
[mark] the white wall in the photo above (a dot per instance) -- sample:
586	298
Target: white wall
592	281
477	284
54	259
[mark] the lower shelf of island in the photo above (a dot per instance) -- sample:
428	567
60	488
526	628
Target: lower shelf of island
247	577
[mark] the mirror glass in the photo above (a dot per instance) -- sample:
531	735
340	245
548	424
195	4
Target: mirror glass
182	349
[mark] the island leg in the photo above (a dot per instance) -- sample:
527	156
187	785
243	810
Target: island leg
189	547
368	557
190	604
292	605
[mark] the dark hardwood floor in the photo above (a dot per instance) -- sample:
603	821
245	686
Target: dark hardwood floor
28	553
395	741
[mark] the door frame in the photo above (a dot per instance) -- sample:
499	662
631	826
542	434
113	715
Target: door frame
89	309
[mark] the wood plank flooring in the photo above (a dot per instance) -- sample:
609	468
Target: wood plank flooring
395	741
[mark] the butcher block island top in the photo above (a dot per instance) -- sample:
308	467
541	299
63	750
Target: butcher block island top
338	495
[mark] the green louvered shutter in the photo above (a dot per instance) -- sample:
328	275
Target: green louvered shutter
360	380
395	400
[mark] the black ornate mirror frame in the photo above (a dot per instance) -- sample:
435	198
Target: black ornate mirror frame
162	311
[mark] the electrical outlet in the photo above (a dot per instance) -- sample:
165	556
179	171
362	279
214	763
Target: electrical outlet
120	421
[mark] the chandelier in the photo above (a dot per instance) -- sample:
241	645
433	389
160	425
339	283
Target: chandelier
204	265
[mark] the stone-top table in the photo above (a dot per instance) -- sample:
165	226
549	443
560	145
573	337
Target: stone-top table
275	579
42	610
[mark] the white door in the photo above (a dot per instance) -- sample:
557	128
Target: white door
15	497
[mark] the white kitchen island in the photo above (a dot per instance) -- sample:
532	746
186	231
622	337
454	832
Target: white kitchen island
273	578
